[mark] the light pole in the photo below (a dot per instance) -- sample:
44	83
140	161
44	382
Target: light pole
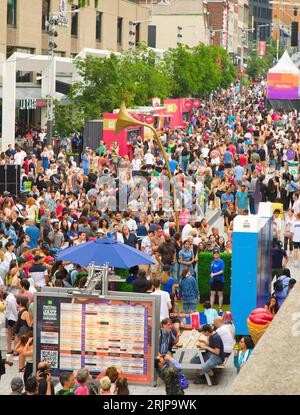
55	19
126	120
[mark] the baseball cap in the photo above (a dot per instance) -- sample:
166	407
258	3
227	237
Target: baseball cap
105	383
100	231
21	260
216	250
29	257
37	258
48	259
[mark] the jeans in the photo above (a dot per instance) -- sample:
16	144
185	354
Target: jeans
184	163
211	361
189	306
251	205
288	241
175	271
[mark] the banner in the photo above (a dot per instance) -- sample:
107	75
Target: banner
96	333
261	48
283	86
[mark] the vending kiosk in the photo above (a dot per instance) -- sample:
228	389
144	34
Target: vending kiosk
180	110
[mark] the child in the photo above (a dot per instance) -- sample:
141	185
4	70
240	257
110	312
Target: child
105	384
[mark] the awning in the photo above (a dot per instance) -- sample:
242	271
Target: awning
27	92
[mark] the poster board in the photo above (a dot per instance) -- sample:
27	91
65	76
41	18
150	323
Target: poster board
283	86
76	331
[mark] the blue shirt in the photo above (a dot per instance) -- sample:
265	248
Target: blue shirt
34	235
228	198
173	164
168	286
227	157
210	314
188	289
242	199
238	172
216	266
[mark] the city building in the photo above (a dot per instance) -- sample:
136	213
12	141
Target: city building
283	15
177	22
261	10
228	23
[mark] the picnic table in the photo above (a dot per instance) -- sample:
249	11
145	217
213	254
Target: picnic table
186	349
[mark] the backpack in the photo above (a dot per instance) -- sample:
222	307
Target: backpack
278	285
182	381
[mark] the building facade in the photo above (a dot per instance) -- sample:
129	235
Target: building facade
261	10
228	23
107	26
282	16
177	22
23	29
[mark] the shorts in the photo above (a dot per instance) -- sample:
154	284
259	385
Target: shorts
296	245
216	286
228	165
9	323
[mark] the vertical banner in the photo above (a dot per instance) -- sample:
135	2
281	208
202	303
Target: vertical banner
261	48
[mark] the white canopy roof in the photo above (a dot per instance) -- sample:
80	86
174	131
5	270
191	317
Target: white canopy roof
285	65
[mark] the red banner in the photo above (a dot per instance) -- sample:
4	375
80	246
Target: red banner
261	48
149	119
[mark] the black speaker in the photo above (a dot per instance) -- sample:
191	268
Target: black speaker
294	34
10	179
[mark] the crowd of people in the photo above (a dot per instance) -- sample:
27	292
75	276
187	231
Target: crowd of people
232	154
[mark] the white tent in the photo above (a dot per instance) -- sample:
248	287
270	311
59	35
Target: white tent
285	65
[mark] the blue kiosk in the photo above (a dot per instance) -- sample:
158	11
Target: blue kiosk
251	264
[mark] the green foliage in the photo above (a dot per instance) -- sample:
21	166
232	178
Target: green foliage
204	261
84	3
67	118
258	66
198	71
136	77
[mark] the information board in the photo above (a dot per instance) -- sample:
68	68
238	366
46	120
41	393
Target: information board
86	332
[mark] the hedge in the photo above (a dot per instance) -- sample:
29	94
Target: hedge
204	261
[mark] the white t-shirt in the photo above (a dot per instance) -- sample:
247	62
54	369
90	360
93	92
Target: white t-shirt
295	229
228	341
164	300
185	231
296	206
136	164
149	158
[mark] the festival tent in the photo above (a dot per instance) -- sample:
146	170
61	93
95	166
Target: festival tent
284	79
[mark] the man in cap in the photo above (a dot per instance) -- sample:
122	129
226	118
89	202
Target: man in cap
217	268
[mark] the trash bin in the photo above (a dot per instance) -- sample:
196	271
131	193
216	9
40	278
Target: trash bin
293	167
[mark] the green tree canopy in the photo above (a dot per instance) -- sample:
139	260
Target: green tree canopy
136	77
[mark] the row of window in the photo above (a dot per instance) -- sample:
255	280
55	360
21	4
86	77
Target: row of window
262	12
12	21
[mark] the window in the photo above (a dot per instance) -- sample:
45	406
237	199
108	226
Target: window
12	12
137	33
98	26
74	24
119	30
45	12
152	36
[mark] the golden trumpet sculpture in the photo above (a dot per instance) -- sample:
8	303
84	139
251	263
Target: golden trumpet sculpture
126	120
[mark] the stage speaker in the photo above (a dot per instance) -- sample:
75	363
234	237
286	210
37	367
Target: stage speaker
10	179
294	34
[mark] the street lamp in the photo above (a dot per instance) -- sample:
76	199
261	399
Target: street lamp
55	19
126	120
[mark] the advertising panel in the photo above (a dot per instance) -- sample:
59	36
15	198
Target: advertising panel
283	86
96	333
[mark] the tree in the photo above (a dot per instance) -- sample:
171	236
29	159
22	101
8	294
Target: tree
258	66
83	3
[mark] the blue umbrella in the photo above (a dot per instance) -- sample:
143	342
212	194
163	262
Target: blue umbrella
105	251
